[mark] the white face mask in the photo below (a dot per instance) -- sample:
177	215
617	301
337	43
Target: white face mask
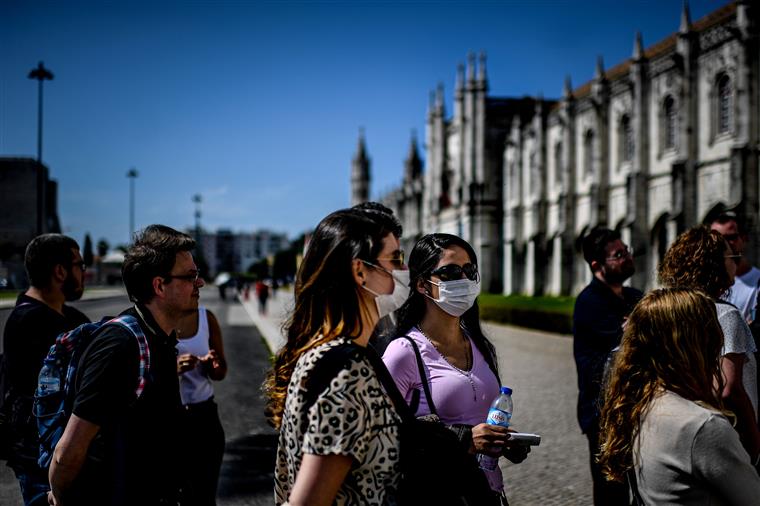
389	302
456	297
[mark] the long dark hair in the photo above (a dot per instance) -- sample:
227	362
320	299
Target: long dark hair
327	300
422	262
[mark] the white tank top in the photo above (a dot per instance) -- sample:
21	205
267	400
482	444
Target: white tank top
194	386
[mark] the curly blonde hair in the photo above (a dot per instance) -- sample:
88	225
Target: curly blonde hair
672	341
697	260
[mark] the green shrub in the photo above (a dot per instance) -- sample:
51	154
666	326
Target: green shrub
554	314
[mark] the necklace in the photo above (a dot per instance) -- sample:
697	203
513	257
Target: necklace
466	373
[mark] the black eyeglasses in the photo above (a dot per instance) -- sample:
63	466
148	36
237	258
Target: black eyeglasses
193	278
397	259
79	264
621	254
452	272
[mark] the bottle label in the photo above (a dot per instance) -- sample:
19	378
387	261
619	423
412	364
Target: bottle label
498	417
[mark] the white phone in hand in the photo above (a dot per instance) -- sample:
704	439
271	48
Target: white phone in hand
525	438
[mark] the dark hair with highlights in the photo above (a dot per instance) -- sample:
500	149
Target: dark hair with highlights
697	260
422	262
43	253
672	341
153	253
328	304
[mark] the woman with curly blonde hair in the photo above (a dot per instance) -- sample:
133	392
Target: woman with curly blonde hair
701	259
338	429
663	420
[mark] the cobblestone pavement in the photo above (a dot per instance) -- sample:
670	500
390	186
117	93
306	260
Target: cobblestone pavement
539	367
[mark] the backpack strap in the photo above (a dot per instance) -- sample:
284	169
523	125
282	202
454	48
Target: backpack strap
327	367
131	324
423	377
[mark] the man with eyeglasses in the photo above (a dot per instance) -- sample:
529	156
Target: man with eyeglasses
600	310
55	270
743	293
118	449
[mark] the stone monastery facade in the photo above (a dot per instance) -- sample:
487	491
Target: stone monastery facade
651	146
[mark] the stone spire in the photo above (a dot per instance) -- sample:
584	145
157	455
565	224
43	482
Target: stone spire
470	67
685	18
460	78
638	47
360	174
599	73
568	90
413	163
482	77
439	99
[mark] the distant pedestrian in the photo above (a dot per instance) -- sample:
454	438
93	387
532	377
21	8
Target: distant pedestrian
55	270
663	420
701	259
743	293
119	449
339	439
200	359
600	310
262	294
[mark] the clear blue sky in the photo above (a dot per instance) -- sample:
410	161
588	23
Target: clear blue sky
257	105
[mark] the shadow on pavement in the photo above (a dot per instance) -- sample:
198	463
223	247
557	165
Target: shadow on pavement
248	466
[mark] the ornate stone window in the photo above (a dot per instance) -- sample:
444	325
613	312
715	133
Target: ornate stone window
588	153
625	137
724	100
559	169
670	122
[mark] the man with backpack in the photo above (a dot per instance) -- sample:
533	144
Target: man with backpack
55	270
121	443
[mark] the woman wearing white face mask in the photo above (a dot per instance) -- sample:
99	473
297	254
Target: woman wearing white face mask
441	319
338	429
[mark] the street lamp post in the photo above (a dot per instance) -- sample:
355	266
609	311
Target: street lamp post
132	175
197	199
40	74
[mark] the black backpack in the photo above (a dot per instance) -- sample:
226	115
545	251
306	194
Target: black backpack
435	468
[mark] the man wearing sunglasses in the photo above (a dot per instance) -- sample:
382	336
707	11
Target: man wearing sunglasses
120	449
743	293
600	310
55	270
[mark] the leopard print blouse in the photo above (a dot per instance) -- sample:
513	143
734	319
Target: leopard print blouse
353	417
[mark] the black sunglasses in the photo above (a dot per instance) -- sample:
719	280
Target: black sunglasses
193	278
452	272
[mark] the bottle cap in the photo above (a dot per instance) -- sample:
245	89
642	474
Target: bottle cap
506	390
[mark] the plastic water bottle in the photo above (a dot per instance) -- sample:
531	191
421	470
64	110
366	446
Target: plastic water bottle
49	381
500	414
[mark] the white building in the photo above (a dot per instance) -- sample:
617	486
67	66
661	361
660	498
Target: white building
650	147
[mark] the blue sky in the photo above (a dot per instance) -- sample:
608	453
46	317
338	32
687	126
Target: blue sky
257	105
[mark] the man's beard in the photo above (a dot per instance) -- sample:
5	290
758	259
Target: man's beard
617	278
71	289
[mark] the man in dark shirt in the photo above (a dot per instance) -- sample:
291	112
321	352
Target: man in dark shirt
55	270
600	310
119	449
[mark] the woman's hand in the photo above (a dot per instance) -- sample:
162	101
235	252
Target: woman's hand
186	362
514	451
489	439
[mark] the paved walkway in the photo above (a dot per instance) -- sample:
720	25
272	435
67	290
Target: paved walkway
539	367
100	292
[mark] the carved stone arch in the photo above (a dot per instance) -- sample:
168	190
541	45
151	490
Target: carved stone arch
668	120
722	96
658	242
